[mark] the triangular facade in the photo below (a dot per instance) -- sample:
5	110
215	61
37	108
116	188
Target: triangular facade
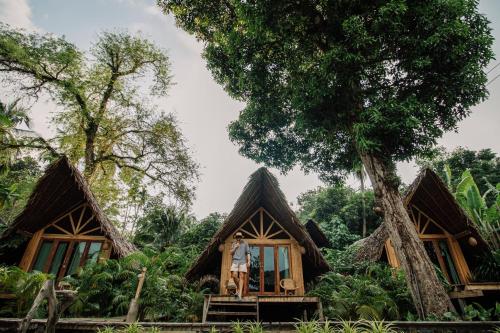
278	241
64	225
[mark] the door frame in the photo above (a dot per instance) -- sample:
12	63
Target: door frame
277	279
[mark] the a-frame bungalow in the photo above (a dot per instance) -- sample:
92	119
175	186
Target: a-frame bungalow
449	237
62	225
282	254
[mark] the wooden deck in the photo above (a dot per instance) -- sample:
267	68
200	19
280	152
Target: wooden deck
267	299
261	308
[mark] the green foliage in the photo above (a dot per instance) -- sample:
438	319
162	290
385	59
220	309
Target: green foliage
161	227
325	79
131	328
486	219
106	123
361	290
18	178
200	233
24	286
488	267
484	166
475	311
339	211
106	289
361	326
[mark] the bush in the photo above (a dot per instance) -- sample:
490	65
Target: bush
106	289
24	286
362	290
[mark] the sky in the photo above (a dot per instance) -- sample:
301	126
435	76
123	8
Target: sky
202	107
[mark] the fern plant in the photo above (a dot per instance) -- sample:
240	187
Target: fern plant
307	327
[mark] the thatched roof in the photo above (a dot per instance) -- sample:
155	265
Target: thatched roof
59	190
317	234
262	190
431	195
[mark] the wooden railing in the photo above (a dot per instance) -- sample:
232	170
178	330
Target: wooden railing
93	324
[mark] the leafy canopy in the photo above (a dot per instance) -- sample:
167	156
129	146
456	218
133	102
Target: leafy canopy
337	208
327	78
106	122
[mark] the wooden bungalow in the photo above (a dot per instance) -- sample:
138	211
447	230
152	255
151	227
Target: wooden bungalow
62	226
281	251
449	236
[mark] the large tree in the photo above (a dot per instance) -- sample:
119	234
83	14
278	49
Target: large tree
327	82
328	205
106	123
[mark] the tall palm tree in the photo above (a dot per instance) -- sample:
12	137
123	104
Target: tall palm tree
12	115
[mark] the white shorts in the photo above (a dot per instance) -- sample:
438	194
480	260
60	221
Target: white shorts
238	267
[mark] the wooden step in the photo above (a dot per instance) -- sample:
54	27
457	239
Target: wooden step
231	313
252	304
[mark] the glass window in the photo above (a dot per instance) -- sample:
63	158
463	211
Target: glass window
443	245
269	271
58	258
284	262
78	250
94	249
43	255
254	274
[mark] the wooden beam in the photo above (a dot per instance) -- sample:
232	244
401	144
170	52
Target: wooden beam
91	230
85	224
73	227
73	237
30	251
465	294
483	286
80	218
432	236
62	229
65	214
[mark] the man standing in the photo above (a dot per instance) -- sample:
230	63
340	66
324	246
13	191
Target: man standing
241	261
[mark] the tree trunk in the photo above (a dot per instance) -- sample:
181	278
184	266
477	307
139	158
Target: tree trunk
363	203
429	295
90	164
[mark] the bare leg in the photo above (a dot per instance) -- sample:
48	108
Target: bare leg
240	285
236	279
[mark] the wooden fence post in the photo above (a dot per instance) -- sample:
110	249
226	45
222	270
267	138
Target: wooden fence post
133	309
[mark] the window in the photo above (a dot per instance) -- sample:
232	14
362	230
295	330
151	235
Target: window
43	255
64	257
269	264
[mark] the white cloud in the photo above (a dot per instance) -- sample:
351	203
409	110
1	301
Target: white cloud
17	13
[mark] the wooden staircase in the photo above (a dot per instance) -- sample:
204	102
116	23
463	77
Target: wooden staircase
222	309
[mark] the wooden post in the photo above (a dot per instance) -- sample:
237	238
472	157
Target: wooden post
320	311
133	309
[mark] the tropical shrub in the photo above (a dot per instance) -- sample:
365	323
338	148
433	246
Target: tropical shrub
24	286
354	290
106	289
486	218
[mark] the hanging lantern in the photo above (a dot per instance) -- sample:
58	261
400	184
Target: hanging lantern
472	241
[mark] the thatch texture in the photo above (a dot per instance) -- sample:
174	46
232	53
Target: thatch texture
431	195
262	190
58	191
317	234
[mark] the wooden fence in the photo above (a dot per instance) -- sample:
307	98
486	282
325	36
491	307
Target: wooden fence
92	325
